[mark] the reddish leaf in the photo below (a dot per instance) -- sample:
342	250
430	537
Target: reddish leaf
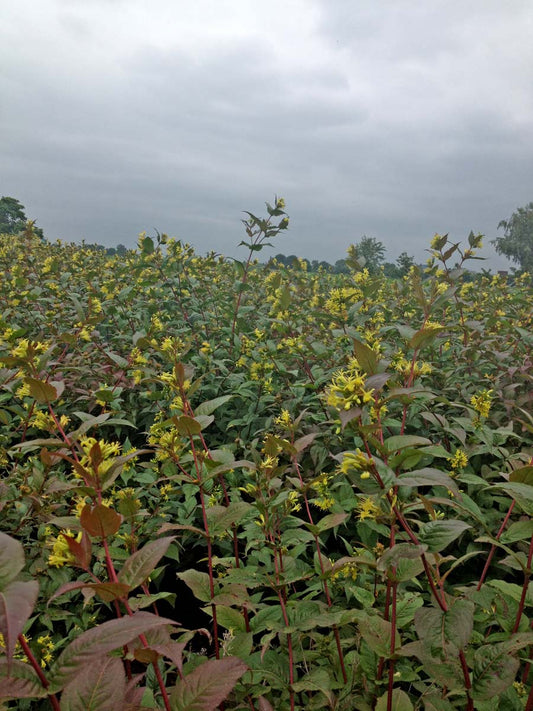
208	685
99	686
96	642
81	551
100	521
11	559
105	591
141	563
172	651
41	391
16	604
19	681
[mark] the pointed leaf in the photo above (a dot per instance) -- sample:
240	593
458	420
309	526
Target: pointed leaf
366	357
221	518
11	559
400	702
98	641
41	391
436	535
399	442
494	670
208	685
17	601
198	582
331	521
98	686
106	591
208	407
142	563
100	521
19	681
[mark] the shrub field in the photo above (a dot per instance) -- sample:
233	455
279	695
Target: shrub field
227	484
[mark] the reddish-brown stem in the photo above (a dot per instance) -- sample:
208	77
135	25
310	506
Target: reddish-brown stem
390	687
322	571
37	667
466	677
493	547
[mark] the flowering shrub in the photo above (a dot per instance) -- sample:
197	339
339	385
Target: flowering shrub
229	484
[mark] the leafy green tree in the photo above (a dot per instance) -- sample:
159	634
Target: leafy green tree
13	218
517	241
404	262
372	251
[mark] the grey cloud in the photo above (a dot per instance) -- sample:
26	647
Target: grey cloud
375	141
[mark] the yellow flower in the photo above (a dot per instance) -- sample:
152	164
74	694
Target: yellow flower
283	420
61	554
367	509
347	389
459	459
482	402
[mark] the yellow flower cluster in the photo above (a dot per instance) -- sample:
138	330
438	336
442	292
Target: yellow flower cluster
459	460
44	421
366	508
61	554
482	402
347	389
321	485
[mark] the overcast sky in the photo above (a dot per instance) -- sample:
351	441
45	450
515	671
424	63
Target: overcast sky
394	119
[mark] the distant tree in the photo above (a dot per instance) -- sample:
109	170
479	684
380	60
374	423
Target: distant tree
372	251
517	241
404	262
13	218
391	270
121	249
340	267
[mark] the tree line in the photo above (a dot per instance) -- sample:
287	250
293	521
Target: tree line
516	243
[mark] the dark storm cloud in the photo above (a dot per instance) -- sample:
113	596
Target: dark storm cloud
379	121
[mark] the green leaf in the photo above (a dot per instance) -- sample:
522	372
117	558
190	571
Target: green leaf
19	681
523	475
436	535
97	642
398	552
331	521
99	686
11	559
198	582
208	685
41	391
521	493
366	357
439	630
429	477
208	407
221	518
142	563
230	618
17	600
399	442
494	670
400	702
518	531
377	634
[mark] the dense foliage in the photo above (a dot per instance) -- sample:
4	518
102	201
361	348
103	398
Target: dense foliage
517	241
256	486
